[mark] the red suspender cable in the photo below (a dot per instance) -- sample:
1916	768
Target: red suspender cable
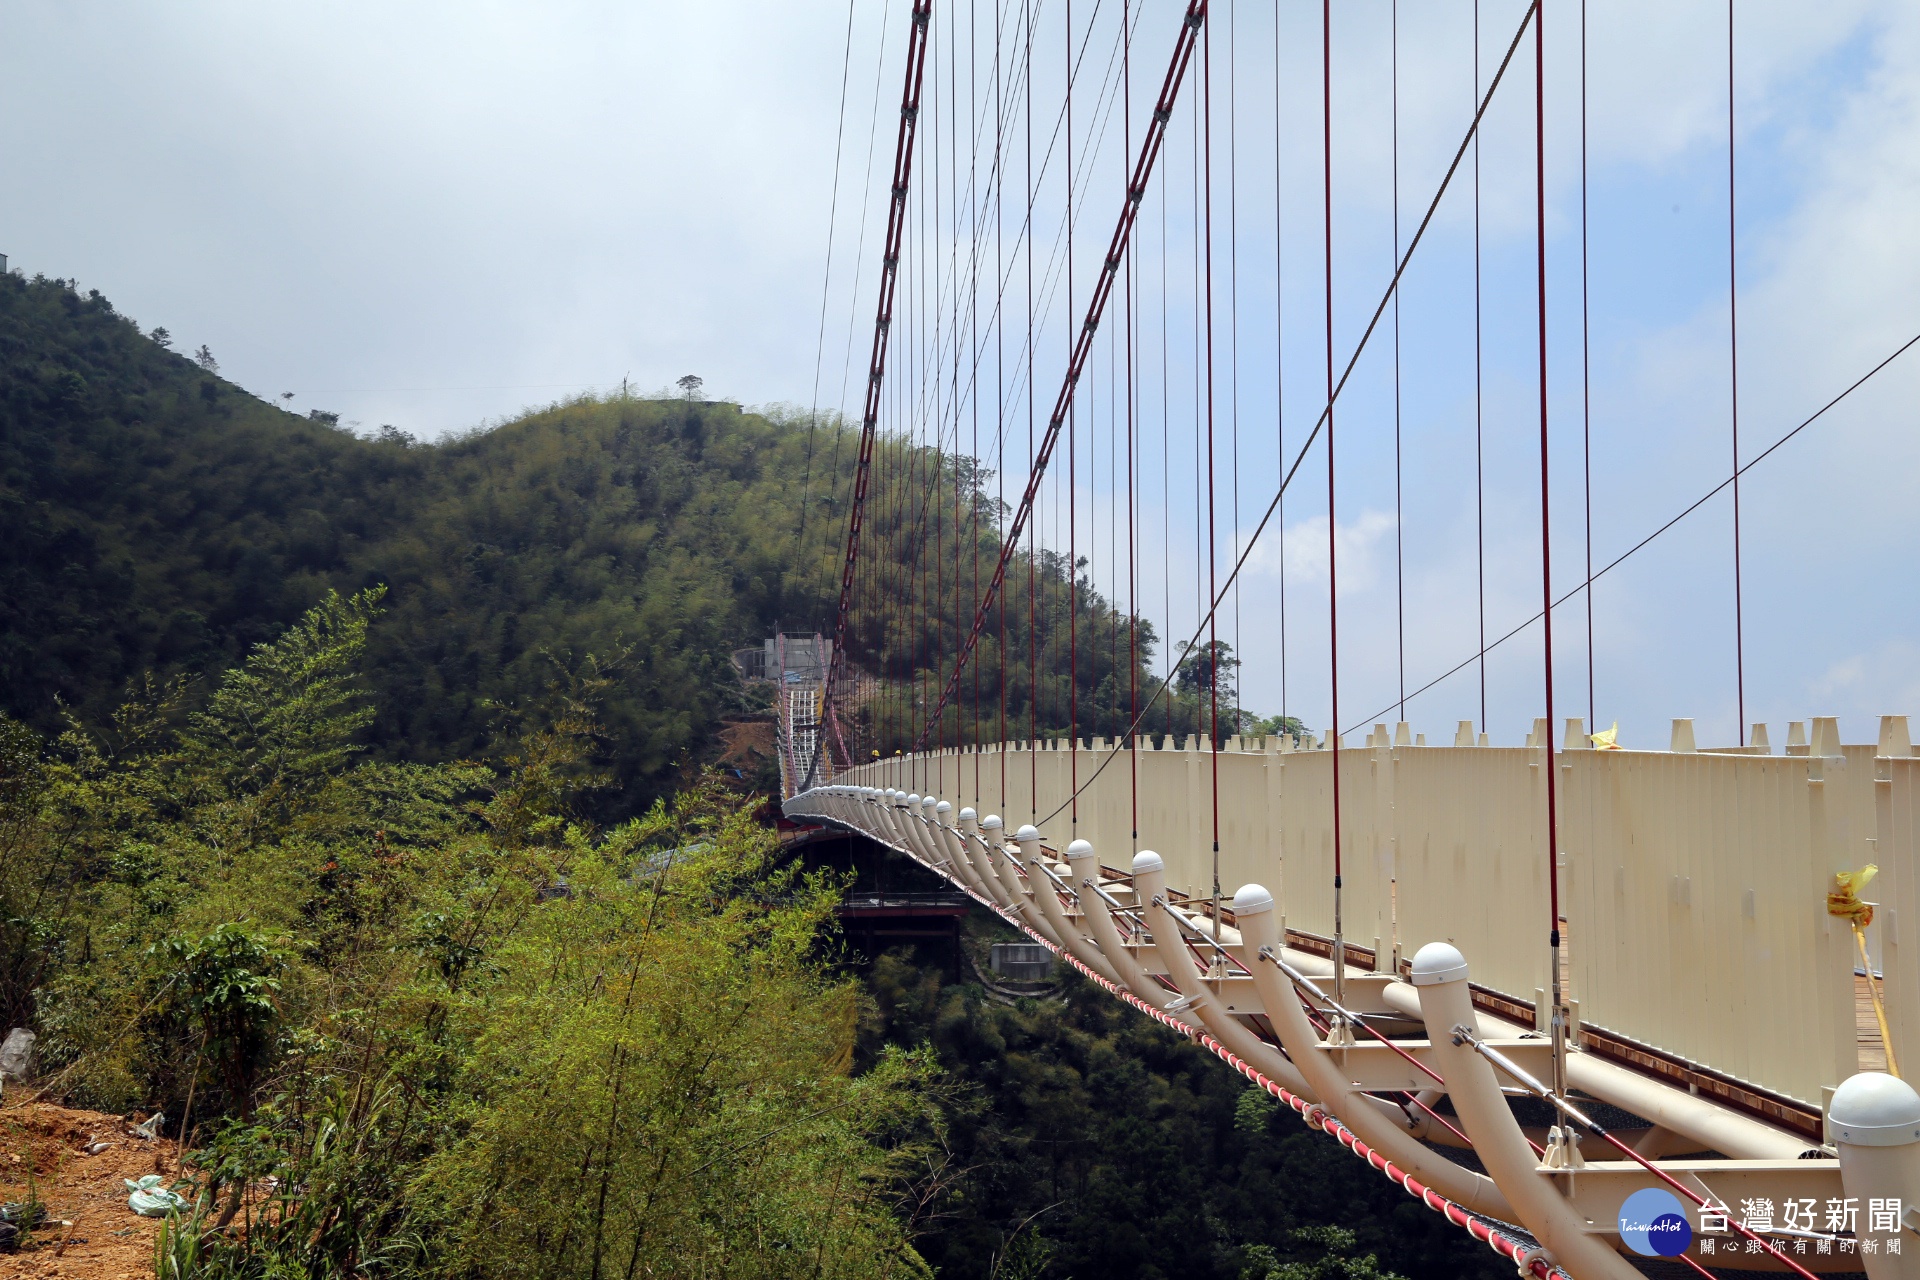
1133	539
1213	631
1733	382
1073	485
883	319
1033	553
1586	378
1096	307
1479	418
1546	542
1333	597
1399	527
1279	362
999	377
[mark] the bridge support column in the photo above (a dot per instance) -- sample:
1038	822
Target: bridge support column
1085	870
962	842
944	840
930	831
1875	1122
914	830
982	855
1440	976
1083	947
1150	886
1023	893
892	828
1380	1124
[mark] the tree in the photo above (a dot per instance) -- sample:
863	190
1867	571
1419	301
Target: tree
204	358
1201	668
162	337
226	980
690	385
1273	726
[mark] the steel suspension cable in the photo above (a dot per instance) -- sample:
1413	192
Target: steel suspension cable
1692	507
1479	396
1559	1025
1166	461
973	327
1279	358
1133	545
999	374
1333	553
1366	336
1073	487
883	318
1586	375
1213	633
826	283
1150	147
1733	387
1233	322
1033	607
1133	537
1399	523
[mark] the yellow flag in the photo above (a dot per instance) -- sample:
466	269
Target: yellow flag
1607	739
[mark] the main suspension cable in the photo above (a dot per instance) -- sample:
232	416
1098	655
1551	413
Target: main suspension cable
1360	347
1082	343
883	319
1692	507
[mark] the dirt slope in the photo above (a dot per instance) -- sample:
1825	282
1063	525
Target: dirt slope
43	1151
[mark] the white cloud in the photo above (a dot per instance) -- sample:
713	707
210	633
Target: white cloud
1363	546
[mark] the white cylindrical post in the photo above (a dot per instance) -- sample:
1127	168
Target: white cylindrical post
1874	1120
1380	1124
1150	887
1440	977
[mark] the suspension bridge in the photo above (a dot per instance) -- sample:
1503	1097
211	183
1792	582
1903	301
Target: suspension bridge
1614	1011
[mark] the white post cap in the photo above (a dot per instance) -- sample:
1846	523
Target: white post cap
1148	860
1251	899
1874	1109
1026	833
1438	962
943	807
967	814
1079	849
991	822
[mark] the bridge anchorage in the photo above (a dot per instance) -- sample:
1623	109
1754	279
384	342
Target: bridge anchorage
1708	1067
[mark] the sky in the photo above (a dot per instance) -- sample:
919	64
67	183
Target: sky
433	216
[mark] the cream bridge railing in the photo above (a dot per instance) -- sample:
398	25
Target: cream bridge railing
1713	994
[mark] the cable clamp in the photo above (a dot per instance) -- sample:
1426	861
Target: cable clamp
1525	1255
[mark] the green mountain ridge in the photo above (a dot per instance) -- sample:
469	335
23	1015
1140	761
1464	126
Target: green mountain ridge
158	517
155	517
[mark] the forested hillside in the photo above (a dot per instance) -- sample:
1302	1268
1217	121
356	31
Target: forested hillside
350	816
155	517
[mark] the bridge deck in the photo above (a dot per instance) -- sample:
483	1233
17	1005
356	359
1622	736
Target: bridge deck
1873	1051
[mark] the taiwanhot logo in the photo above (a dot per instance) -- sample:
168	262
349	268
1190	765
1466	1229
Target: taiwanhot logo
1653	1224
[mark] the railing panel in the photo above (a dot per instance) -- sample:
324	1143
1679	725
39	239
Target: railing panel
1693	884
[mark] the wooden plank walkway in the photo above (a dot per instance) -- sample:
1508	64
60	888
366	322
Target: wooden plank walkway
1873	1054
